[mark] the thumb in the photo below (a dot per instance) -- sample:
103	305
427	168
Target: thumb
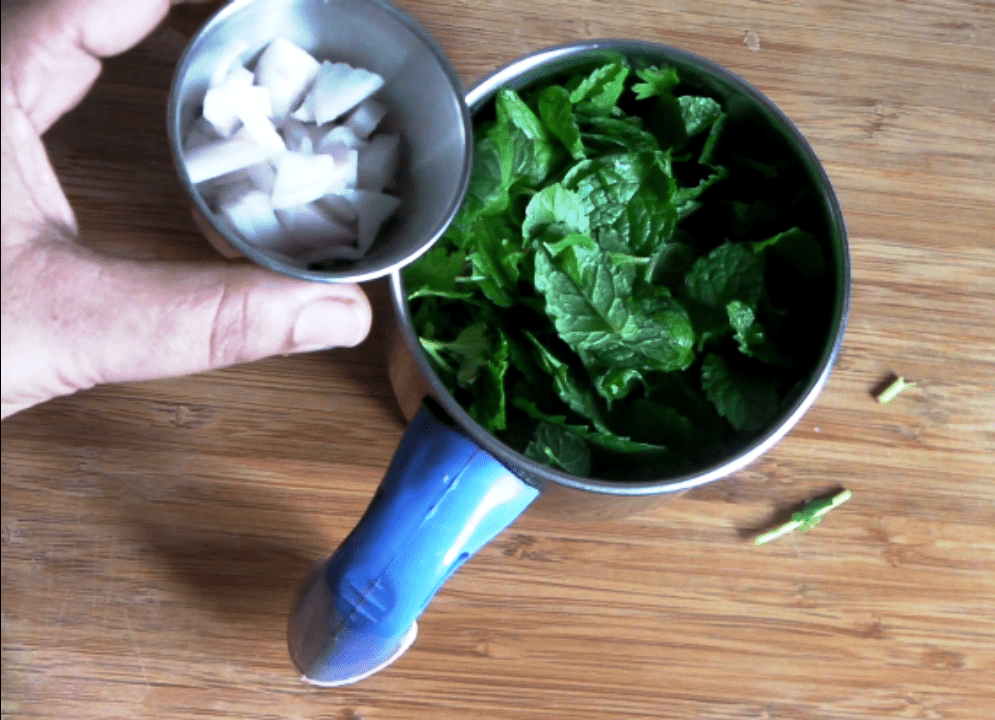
72	319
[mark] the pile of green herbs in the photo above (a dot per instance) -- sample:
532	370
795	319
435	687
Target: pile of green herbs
629	283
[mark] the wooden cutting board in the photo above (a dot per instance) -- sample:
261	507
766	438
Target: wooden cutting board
154	534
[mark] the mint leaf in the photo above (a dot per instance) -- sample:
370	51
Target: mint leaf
686	198
617	383
519	122
489	180
555	207
630	200
729	272
698	113
437	275
712	141
656	81
606	135
751	336
556	112
650	421
587	296
748	404
602	88
798	248
557	446
496	258
489	405
576	396
648	219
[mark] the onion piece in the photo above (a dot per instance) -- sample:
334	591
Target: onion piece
297	136
372	209
223	156
252	107
249	211
313	228
365	118
378	162
301	178
220	101
338	208
262	176
338	88
338	135
287	71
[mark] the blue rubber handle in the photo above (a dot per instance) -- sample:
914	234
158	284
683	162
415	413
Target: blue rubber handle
442	499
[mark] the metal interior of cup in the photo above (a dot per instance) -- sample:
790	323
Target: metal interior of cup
422	89
739	99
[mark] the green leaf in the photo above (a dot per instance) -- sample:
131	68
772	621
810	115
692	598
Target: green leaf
751	336
557	207
576	396
557	446
588	298
607	135
698	113
617	383
798	248
686	198
653	422
602	88
748	404
436	274
490	179
489	403
630	200
496	258
712	141
473	350
656	81
556	112
531	143
729	272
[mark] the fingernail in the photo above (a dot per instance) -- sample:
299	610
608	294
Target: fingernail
328	323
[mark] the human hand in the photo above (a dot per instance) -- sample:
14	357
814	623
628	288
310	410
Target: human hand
72	318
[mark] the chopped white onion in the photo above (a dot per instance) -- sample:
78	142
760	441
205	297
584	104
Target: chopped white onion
372	209
378	162
260	156
338	135
262	176
301	178
365	118
249	211
338	208
287	72
313	228
220	100
297	136
223	156
339	88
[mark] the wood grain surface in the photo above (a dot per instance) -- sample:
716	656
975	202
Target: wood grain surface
154	534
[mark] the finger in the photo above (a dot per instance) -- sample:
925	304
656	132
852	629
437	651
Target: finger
86	320
52	48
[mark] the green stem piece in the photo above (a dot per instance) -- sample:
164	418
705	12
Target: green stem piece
807	518
891	392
